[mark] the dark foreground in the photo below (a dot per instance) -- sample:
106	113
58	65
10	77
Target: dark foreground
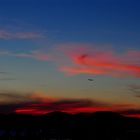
62	126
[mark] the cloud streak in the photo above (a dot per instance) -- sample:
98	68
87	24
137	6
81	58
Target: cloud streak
36	54
2	72
135	89
6	35
7	79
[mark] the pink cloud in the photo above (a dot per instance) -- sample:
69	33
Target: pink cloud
82	59
91	60
80	70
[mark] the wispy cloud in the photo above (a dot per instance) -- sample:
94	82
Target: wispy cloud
6	34
36	54
33	96
12	95
42	56
2	72
135	89
7	79
90	60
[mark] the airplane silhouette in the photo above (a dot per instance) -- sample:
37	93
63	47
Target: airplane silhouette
90	79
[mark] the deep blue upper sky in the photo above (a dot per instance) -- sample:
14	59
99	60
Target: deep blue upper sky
104	21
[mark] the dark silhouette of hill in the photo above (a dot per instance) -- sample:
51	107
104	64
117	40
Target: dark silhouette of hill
62	126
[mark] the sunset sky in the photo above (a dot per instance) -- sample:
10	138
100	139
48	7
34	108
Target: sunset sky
49	51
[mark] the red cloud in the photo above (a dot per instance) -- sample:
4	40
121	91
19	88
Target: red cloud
38	111
75	106
65	105
39	103
107	62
